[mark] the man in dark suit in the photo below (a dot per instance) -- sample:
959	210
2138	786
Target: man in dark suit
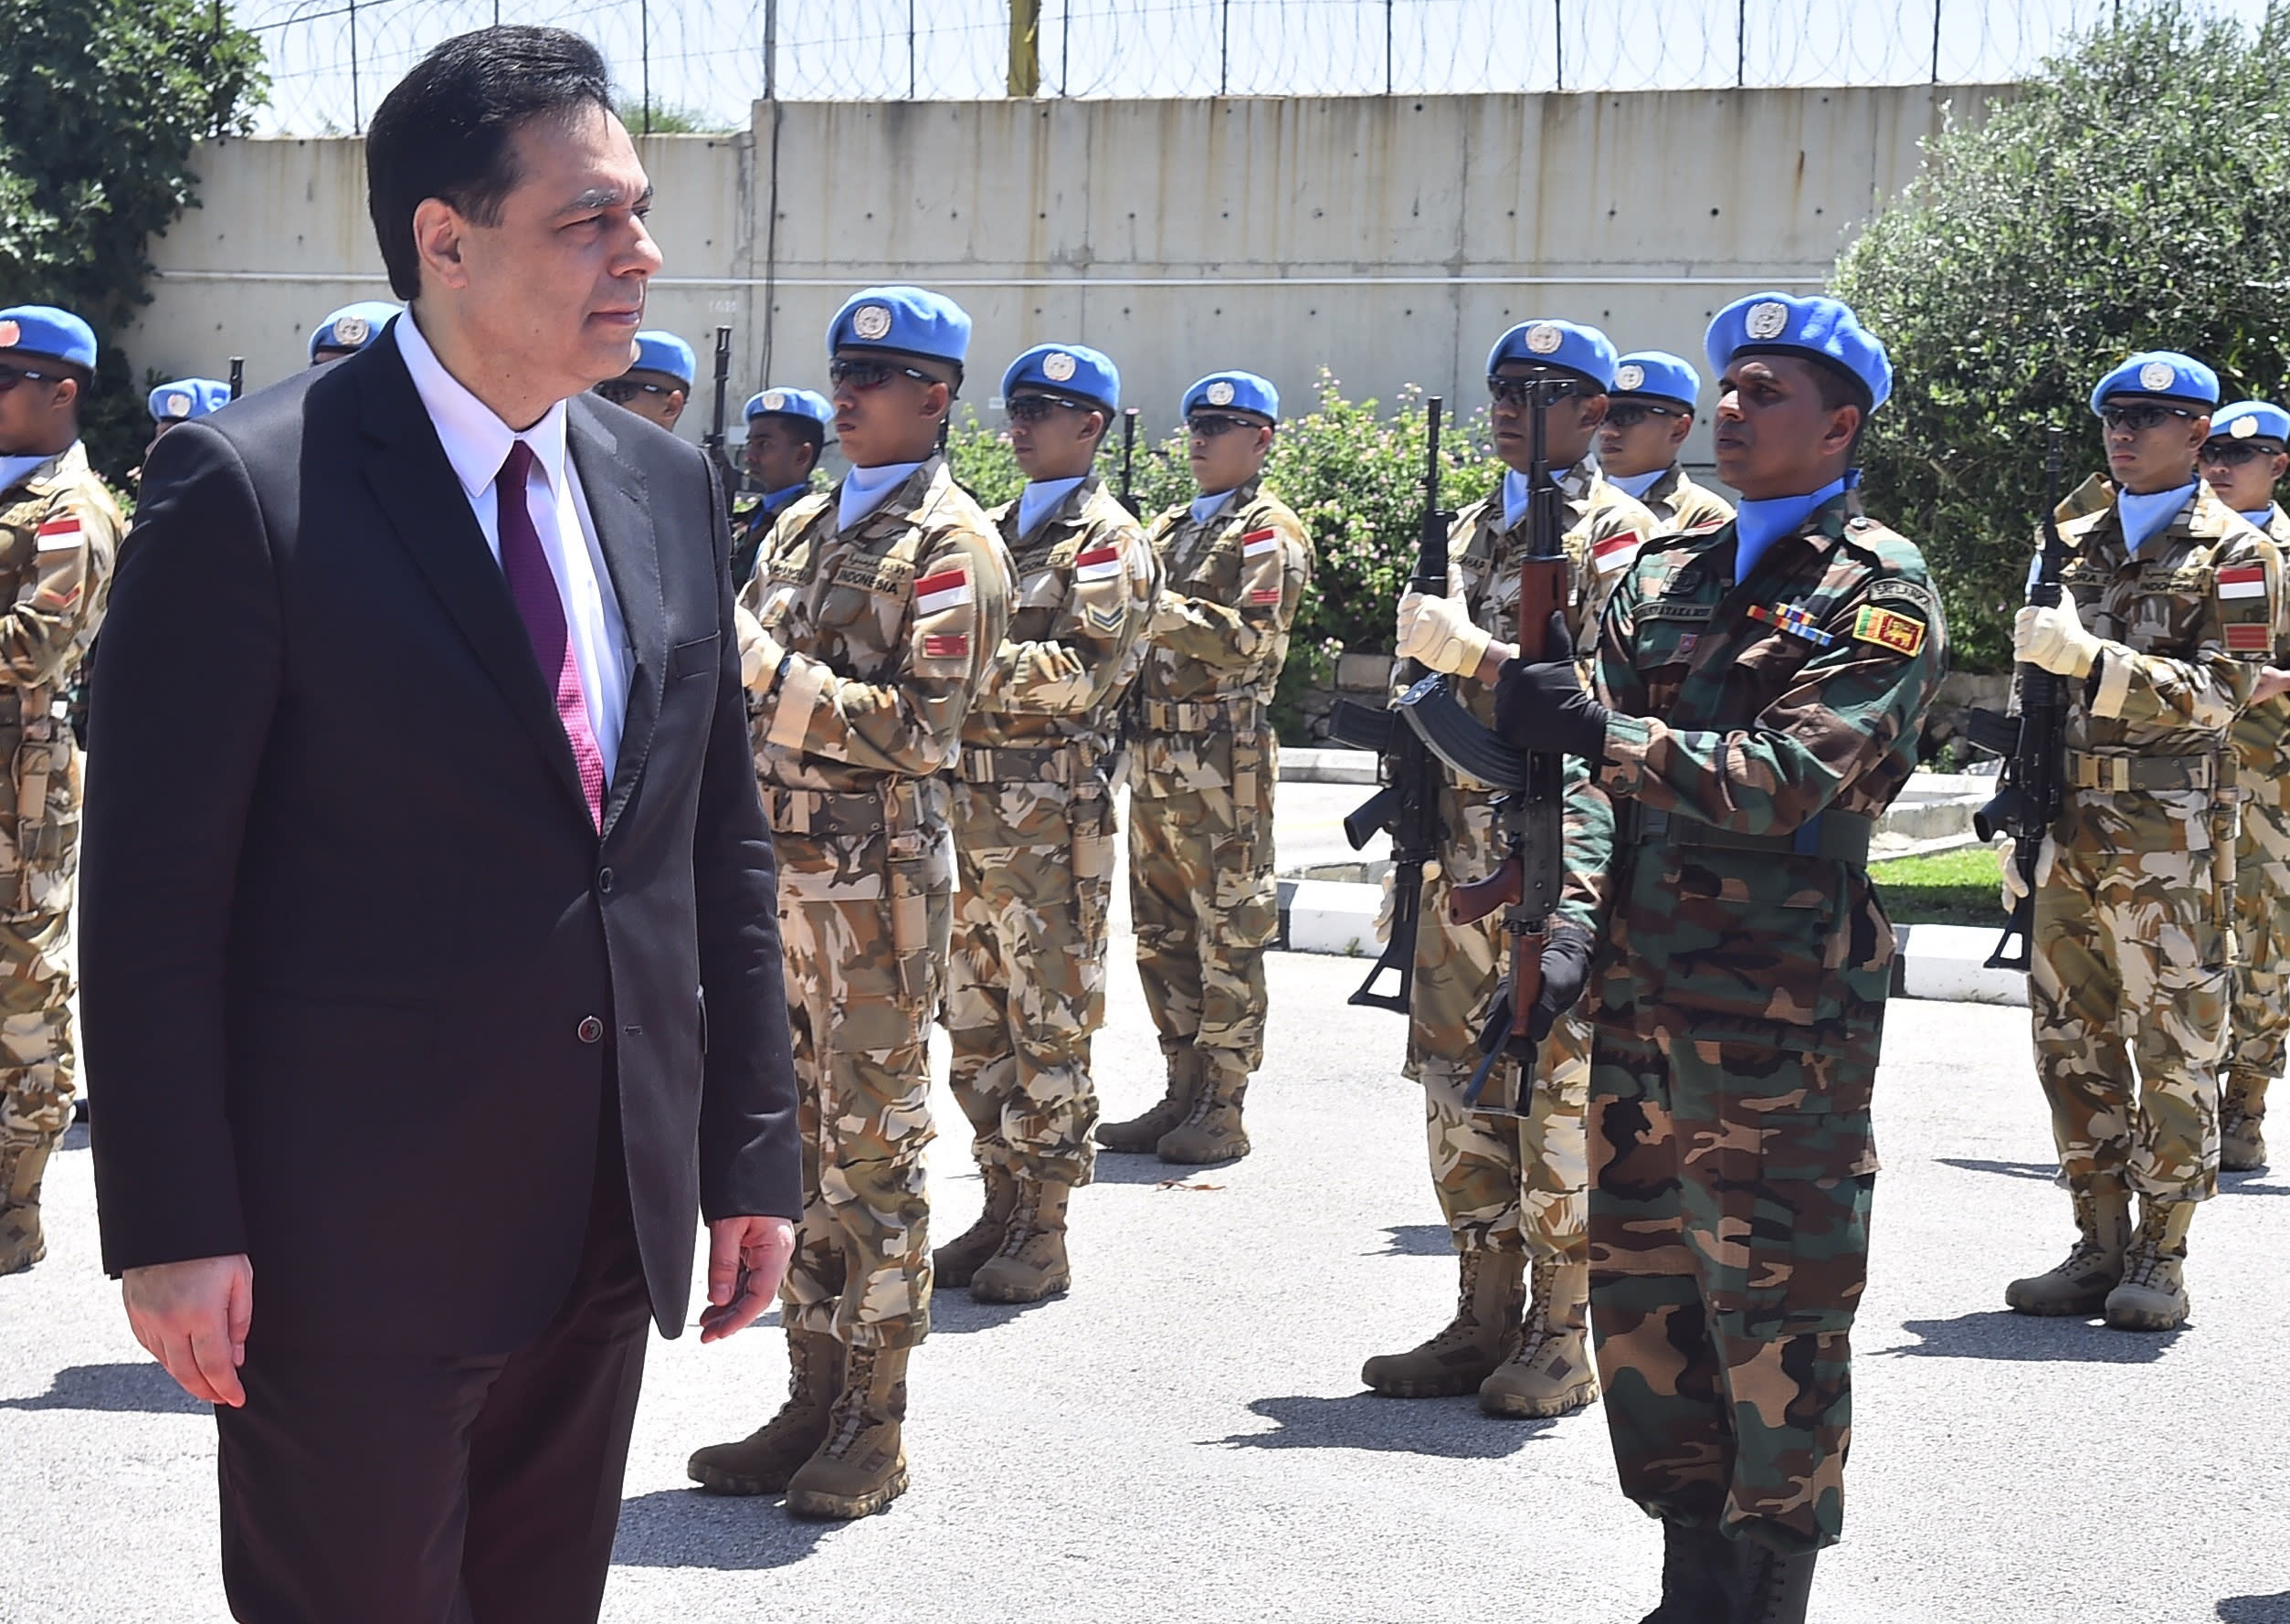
432	972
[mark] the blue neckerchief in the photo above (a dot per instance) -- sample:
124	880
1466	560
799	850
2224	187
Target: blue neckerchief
13	469
867	489
1514	493
1208	504
2263	517
1036	503
2146	517
1635	485
773	500
1758	524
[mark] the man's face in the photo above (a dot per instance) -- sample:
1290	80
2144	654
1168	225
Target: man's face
36	403
1640	437
1226	449
777	454
1772	436
1569	422
1054	437
657	397
887	406
2244	472
2151	445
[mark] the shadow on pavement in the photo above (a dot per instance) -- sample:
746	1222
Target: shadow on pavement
685	1528
1999	1333
1124	1168
2256	1609
1417	1240
2247	1184
2042	1171
1449	1428
140	1389
953	1312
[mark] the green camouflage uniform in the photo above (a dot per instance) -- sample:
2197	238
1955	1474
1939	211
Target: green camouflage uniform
1758	735
891	628
1678	503
1200	812
2261	1015
1034	834
60	532
2130	984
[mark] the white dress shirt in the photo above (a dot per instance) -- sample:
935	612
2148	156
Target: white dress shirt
477	443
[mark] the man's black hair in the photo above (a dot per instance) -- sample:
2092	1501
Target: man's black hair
447	130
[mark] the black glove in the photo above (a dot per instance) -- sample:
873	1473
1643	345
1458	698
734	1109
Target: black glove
1566	953
1543	705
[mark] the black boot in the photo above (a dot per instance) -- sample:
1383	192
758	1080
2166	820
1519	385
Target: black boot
1775	1589
1700	1575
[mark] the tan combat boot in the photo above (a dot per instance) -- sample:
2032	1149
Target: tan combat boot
2242	1110
1211	1132
1465	1351
23	1163
954	1263
2094	1265
1140	1134
1031	1263
1551	1374
862	1467
763	1462
2153	1295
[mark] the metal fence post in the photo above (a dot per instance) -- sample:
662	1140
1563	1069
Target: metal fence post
357	114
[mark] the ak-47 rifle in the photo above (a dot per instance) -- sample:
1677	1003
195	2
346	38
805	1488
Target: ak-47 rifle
713	442
2032	790
238	376
1408	804
1128	461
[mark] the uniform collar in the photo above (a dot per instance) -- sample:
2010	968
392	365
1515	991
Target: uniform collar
1635	486
1758	524
865	490
1043	499
27	471
2143	518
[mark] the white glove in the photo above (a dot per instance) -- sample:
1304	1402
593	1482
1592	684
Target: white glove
2055	638
1437	631
760	652
2014	886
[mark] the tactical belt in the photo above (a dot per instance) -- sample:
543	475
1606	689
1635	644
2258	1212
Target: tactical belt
2116	774
849	815
1160	716
1841	836
1025	764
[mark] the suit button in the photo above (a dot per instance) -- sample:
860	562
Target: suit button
604	879
590	1030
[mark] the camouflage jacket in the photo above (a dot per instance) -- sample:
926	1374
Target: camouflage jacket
1754	710
1220	630
891	628
2261	732
1678	503
1086	586
59	529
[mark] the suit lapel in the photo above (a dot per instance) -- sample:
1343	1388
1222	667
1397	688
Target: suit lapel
616	490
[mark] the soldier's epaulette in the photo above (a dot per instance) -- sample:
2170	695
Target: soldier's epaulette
800	512
999	512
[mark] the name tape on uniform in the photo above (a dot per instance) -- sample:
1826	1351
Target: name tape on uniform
948	589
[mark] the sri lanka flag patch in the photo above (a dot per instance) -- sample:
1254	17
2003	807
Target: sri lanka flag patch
1903	634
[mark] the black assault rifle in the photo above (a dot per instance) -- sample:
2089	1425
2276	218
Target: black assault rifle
1408	804
1128	460
238	376
713	442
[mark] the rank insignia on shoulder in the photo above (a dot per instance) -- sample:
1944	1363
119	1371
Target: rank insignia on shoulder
2249	638
947	645
1265	597
1792	619
1902	634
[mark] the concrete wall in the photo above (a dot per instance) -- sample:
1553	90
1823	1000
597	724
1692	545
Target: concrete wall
1389	238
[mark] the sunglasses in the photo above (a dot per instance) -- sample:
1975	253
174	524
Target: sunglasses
1208	425
1033	408
10	376
1629	414
2234	453
620	391
2140	419
1519	391
872	374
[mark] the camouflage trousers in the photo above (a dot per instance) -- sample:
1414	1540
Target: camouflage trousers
865	945
2261	1015
1026	986
1729	1215
2128	990
38	1064
1505	1183
1204	905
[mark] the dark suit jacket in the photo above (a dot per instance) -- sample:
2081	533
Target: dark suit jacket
357	969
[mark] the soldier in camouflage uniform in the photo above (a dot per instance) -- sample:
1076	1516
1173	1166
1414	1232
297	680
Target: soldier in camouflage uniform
2247	456
1200	812
1760	688
874	616
1652	412
787	432
60	530
1511	1185
2169	609
1034	828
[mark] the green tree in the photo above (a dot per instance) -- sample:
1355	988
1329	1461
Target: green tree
101	102
2129	198
670	120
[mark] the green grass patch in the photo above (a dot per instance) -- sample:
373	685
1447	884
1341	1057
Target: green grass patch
1953	888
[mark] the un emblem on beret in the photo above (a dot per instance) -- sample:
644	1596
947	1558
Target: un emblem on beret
1629	377
179	405
2157	375
351	330
2243	427
872	322
10	335
1769	320
1057	366
1220	393
775	400
1543	339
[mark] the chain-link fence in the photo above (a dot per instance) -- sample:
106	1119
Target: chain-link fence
686	64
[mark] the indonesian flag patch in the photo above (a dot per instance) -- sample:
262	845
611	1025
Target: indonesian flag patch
1099	563
1613	553
60	535
2244	580
948	589
1258	542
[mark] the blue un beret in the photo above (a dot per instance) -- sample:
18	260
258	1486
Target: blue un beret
2159	375
791	403
353	327
1567	345
1658	375
911	321
187	398
43	330
1068	369
665	352
1234	392
2252	420
1818	329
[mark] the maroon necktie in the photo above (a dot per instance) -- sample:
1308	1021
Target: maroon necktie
533	587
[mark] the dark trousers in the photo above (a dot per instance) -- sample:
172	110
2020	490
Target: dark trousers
396	1489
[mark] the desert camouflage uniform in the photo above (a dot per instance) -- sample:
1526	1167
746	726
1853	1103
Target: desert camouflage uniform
2261	1015
2134	920
60	532
1678	503
891	628
1200	812
1034	834
1739	1004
